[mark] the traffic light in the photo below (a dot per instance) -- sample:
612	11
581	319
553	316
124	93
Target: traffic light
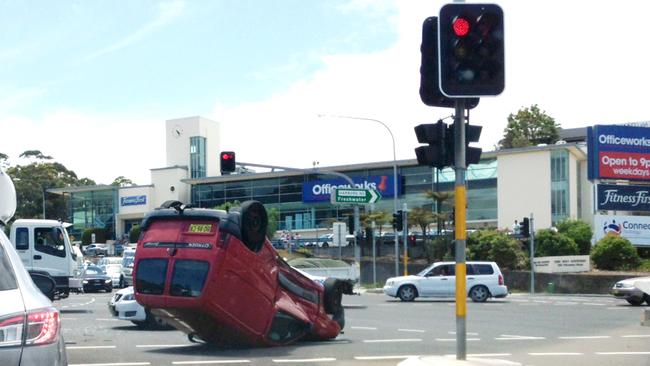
471	47
351	224
440	153
398	224
524	227
429	89
227	162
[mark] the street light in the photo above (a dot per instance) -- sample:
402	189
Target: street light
394	170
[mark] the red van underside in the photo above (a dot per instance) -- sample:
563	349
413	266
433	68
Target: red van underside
246	298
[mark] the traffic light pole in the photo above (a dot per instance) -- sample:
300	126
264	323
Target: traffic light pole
460	204
532	255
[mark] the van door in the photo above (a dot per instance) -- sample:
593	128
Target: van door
49	252
21	241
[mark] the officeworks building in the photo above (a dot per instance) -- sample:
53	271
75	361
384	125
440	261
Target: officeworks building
548	181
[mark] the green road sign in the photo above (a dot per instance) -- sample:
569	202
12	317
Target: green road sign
354	195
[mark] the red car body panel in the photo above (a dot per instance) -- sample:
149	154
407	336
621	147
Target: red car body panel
247	297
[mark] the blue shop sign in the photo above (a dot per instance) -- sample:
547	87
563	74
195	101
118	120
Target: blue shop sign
623	198
618	152
320	190
133	200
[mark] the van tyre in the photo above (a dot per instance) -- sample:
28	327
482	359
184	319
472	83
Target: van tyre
646	297
333	296
634	301
407	293
479	293
254	222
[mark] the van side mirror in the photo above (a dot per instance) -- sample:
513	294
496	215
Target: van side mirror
44	283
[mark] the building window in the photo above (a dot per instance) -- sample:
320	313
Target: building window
197	157
559	185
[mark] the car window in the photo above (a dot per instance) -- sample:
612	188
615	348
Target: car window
7	276
483	269
22	238
48	241
150	278
443	270
188	278
94	270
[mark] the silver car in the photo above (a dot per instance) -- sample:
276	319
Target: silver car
30	327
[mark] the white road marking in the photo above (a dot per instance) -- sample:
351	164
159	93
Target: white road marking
454	339
622	353
364	328
585	337
208	362
162	345
468	333
593	304
112	364
68	319
89	347
541	301
412	330
555	354
562	303
392	340
508	337
636	336
76	305
376	358
488	355
305	360
107	320
620	308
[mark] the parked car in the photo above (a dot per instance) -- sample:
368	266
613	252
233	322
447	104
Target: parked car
114	271
109	260
95	250
327	240
215	276
126	274
30	327
484	280
123	306
628	290
94	279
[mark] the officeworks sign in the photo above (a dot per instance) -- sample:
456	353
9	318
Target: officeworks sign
321	190
636	229
619	152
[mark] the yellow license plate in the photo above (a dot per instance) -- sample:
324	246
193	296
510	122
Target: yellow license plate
200	228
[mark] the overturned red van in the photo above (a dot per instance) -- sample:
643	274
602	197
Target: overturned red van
215	276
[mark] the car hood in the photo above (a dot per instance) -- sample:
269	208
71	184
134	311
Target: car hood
125	291
631	281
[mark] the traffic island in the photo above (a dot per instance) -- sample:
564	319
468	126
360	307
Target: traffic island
452	361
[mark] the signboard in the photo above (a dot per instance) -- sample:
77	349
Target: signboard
562	264
339	230
321	190
354	195
623	198
636	229
619	152
133	200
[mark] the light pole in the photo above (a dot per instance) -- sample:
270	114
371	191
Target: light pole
394	172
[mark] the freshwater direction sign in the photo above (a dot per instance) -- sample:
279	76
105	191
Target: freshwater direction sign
354	195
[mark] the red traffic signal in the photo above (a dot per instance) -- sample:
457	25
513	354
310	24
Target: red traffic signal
227	162
461	27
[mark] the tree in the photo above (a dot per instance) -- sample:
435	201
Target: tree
579	231
529	127
614	253
122	181
440	198
550	243
421	217
380	218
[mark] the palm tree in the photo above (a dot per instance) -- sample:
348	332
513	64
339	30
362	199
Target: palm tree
380	218
440	198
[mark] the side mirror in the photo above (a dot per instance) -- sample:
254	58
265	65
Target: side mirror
44	283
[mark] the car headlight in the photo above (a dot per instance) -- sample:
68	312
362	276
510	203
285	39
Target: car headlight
128	297
109	280
624	285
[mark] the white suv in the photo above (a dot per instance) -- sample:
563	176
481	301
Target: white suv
484	279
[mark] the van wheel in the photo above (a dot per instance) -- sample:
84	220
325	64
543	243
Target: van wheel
646	297
253	224
479	293
634	301
407	293
333	296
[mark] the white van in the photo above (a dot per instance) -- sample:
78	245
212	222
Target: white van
44	247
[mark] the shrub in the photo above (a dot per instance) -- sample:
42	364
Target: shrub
437	248
614	253
134	234
551	243
579	231
86	235
479	244
494	246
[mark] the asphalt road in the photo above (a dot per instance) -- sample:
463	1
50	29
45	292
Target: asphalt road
532	330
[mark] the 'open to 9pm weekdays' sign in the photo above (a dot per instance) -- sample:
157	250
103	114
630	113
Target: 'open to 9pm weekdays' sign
619	152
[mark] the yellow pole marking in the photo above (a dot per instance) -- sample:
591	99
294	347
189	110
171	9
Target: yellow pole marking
461	290
460	220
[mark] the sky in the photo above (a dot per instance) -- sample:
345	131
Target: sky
91	83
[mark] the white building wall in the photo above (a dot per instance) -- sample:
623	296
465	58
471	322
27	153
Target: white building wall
168	185
127	211
587	195
573	186
524	187
178	134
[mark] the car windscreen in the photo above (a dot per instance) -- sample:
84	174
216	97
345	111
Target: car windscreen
189	277
7	276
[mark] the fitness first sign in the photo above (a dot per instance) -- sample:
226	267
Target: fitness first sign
619	152
623	198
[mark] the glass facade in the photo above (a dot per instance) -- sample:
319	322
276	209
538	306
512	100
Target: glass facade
285	194
93	209
197	157
559	185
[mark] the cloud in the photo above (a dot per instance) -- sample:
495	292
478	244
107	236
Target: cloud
168	12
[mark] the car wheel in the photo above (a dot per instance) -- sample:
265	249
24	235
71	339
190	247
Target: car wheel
325	245
479	293
407	293
646	297
634	301
140	324
333	296
254	221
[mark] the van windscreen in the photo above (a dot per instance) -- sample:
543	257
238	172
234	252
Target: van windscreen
150	277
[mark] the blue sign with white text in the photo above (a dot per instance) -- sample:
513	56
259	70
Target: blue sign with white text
623	198
133	200
320	190
618	152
